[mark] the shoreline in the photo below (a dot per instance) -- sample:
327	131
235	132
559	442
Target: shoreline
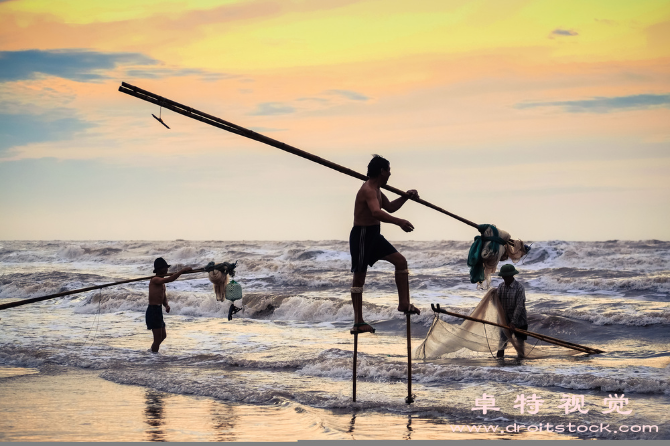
69	404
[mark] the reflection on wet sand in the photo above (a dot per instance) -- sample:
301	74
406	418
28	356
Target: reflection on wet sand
153	414
408	434
223	422
352	424
79	406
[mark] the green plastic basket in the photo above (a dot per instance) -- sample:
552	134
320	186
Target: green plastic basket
233	291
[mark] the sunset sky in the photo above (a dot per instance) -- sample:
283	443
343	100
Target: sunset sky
550	119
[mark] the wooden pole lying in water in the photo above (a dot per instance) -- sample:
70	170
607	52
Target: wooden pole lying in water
548	339
233	128
83	290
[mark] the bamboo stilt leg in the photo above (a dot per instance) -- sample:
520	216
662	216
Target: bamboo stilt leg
410	398
355	360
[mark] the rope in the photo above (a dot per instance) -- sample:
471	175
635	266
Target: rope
486	335
523	259
537	341
96	322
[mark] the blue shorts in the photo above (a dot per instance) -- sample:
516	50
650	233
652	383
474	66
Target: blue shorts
154	317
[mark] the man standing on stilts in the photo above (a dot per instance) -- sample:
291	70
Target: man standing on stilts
367	245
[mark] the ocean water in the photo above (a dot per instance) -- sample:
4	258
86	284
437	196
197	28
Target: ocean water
291	346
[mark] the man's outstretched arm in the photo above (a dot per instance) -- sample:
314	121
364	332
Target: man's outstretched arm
379	214
392	206
172	277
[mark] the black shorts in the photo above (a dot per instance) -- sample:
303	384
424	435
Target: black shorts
367	245
154	317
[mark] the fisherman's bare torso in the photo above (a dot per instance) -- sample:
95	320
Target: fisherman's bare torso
362	211
157	294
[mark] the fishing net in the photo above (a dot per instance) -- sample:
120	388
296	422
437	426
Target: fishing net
493	246
444	338
220	281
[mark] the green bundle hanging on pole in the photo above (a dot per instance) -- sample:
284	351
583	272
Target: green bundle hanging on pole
475	260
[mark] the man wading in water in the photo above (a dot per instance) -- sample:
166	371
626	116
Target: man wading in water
367	245
512	296
157	297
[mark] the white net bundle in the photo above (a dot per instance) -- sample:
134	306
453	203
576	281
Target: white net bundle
444	338
513	250
220	281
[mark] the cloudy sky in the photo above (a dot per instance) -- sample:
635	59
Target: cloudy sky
550	119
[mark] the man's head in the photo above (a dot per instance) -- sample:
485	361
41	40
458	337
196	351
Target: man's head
160	266
507	272
379	167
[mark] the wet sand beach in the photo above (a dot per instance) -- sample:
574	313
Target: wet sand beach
61	404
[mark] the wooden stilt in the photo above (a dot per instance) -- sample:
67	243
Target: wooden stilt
355	361
410	398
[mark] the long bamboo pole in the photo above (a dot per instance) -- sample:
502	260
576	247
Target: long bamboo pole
548	339
83	290
233	128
